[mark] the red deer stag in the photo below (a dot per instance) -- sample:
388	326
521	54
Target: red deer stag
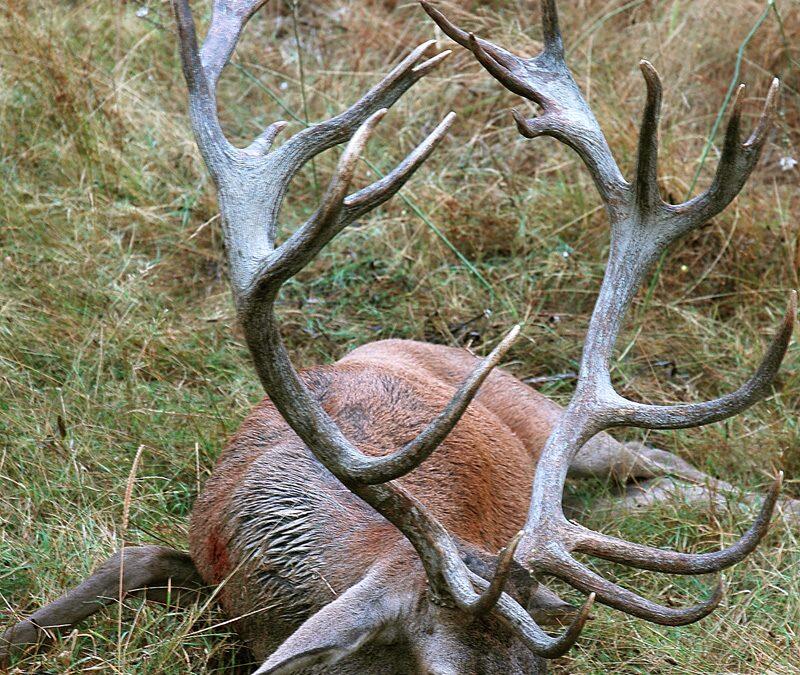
395	512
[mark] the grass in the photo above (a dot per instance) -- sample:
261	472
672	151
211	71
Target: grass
116	327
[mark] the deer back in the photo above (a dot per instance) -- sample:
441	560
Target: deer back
285	538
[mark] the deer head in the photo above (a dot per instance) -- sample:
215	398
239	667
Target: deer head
460	610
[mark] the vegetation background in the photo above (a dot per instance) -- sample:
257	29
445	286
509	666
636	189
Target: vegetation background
117	335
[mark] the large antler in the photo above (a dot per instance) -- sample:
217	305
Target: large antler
251	184
643	226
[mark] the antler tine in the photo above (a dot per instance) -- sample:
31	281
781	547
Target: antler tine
320	137
759	135
517	619
563	566
672	562
646	184
202	106
228	19
326	222
450	29
489	597
383	189
737	161
414	453
263	142
687	415
553	44
539	642
489	56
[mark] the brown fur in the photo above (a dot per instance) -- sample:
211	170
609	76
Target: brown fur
477	483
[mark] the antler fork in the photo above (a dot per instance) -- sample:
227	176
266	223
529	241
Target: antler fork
643	226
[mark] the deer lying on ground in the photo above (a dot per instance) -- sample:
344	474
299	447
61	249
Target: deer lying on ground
397	511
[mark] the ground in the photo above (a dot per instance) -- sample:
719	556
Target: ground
117	334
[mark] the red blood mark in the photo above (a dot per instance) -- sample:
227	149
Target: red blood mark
217	557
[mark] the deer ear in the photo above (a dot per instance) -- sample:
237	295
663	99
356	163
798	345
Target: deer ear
340	628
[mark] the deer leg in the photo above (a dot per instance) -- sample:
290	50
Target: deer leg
650	476
165	574
605	457
648	493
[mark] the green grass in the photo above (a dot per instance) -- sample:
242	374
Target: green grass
117	332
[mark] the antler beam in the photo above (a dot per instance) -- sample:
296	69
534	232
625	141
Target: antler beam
251	185
643	226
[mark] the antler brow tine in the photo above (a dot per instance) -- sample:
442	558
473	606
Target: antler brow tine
671	562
